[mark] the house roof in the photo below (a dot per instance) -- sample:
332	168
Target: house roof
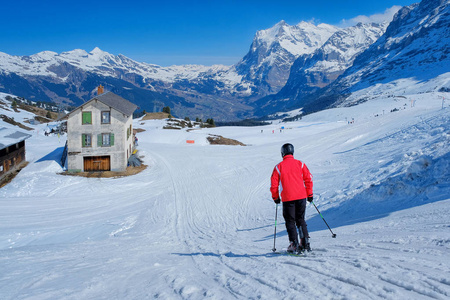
112	100
117	102
10	137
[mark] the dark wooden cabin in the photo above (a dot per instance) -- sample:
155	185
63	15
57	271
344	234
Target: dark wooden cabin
12	150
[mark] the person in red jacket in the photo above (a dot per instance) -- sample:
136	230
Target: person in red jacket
293	179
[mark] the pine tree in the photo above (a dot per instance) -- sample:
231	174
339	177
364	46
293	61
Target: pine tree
166	109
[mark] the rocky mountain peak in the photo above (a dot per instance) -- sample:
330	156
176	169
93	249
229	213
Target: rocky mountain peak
274	50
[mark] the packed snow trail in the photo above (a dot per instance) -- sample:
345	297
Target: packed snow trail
198	222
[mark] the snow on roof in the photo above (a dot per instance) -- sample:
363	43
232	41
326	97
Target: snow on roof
10	137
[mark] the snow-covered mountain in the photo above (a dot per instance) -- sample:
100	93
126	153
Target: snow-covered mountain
47	63
189	89
415	47
316	70
415	44
72	77
337	54
274	50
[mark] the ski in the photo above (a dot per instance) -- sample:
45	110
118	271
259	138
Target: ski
299	254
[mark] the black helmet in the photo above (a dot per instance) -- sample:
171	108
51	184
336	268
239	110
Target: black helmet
287	149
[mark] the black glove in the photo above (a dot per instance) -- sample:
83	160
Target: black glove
277	201
310	199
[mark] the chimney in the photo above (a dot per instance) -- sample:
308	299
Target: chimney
100	90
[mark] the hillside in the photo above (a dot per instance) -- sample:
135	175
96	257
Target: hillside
198	223
414	49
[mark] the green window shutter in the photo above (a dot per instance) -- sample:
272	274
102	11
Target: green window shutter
87	117
111	139
99	140
83	140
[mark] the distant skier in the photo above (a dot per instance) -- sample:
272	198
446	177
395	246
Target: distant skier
296	188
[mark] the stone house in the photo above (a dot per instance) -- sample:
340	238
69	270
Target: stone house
12	150
100	134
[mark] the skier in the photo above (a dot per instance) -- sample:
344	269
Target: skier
296	189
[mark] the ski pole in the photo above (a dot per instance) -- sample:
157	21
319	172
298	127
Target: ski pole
333	234
275	233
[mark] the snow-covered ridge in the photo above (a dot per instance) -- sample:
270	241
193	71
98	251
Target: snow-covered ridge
101	62
321	68
340	50
415	44
296	39
414	48
274	50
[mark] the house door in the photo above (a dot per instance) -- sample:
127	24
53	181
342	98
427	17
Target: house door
97	163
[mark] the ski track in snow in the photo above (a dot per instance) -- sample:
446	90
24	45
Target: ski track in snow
198	223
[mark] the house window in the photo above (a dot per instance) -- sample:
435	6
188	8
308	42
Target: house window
86	140
105	140
106	117
86	117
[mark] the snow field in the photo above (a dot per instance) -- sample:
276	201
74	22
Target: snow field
198	223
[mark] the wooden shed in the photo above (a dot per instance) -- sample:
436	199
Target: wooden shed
12	150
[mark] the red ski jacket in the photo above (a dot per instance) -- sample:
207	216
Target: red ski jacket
294	179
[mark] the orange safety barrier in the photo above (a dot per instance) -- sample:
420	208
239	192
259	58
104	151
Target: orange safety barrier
190	141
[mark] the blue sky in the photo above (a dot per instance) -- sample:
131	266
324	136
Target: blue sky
165	32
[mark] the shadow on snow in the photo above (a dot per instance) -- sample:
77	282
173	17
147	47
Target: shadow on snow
425	181
228	254
54	155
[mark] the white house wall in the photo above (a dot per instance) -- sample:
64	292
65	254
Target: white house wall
75	129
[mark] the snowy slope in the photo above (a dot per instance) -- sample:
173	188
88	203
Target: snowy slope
198	223
415	45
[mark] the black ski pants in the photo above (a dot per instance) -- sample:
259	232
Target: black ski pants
294	216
